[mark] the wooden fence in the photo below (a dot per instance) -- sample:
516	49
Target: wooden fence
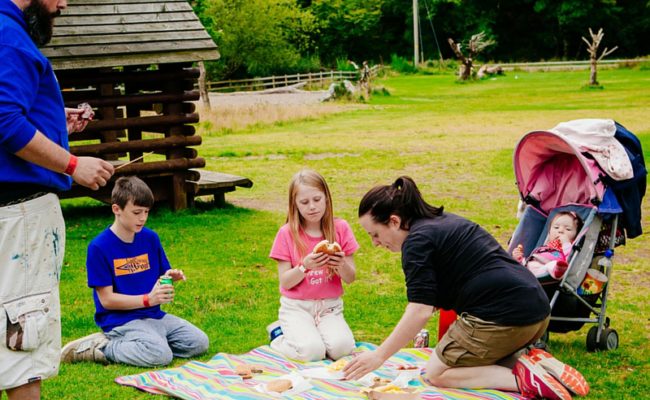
271	82
569	65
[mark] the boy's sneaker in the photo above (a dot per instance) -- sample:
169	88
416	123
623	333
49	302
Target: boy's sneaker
534	382
565	374
86	348
274	330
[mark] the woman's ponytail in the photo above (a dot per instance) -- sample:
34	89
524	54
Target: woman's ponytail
402	198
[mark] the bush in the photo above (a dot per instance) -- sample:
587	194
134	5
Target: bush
402	65
343	64
380	91
308	64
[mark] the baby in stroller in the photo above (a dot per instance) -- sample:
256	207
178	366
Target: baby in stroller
550	259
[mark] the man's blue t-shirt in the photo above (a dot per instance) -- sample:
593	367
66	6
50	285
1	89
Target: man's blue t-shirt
30	100
130	268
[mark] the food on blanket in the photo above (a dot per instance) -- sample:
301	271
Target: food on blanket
88	111
405	367
256	369
337	366
327	248
378	382
246	371
279	385
390	392
390	388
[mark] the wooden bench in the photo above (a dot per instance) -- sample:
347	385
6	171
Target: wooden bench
217	184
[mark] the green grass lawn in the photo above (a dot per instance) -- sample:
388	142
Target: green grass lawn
455	140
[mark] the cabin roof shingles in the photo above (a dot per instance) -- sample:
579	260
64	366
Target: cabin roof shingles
109	33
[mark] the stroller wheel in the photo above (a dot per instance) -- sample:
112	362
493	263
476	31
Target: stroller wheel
608	339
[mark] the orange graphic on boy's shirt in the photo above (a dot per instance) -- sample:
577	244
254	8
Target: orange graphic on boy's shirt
131	265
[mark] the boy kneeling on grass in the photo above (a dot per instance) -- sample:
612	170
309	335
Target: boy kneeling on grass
125	263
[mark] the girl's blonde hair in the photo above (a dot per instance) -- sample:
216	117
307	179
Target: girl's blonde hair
308	177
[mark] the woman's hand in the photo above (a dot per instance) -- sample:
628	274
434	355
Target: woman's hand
315	261
362	364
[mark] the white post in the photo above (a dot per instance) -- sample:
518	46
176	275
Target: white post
416	30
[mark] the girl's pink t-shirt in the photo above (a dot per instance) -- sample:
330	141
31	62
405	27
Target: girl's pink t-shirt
316	284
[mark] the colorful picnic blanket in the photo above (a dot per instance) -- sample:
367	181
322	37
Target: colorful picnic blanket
217	379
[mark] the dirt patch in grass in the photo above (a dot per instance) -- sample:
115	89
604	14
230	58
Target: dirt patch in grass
235	111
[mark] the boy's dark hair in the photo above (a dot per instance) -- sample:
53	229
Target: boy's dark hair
134	189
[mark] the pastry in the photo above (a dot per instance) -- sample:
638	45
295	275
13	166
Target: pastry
279	385
327	247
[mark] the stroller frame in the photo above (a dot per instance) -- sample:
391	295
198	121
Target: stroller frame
533	159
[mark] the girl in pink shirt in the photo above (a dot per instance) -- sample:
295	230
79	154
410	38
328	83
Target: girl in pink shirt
311	325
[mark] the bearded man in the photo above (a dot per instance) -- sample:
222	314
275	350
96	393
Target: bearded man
35	164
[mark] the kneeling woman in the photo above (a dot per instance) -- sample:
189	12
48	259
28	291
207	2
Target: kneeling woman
452	263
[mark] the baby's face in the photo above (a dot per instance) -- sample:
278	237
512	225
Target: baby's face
564	228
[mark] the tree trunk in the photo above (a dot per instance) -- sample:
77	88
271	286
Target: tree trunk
467	69
593	81
203	89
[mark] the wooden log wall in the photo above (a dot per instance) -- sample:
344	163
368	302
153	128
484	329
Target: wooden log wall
139	110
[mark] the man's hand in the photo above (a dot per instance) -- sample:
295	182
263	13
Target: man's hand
92	172
74	120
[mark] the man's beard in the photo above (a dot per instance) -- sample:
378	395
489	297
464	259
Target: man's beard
40	22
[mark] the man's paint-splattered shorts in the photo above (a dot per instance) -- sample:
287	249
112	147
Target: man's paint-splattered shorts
32	242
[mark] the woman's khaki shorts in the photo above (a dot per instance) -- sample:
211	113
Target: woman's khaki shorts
472	342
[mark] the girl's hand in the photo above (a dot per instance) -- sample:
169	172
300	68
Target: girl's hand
161	294
176	274
315	261
336	262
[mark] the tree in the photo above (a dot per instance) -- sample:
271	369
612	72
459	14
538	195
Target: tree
476	44
257	37
592	48
347	28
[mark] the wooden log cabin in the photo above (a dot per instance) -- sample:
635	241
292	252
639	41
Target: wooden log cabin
132	61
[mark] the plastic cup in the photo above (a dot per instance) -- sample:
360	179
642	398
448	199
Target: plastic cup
593	283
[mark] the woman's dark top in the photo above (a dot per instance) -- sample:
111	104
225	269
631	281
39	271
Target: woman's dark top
452	263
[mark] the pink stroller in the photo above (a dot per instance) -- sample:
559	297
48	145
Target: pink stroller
553	174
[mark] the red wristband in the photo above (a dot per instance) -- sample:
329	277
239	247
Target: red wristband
145	300
72	165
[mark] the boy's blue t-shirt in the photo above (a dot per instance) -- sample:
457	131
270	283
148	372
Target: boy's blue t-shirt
130	268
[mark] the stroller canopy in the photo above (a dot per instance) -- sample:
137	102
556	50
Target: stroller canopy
550	172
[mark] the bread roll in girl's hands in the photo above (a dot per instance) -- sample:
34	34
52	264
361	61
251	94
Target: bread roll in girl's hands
279	385
327	248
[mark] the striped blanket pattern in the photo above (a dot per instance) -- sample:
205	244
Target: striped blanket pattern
216	379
